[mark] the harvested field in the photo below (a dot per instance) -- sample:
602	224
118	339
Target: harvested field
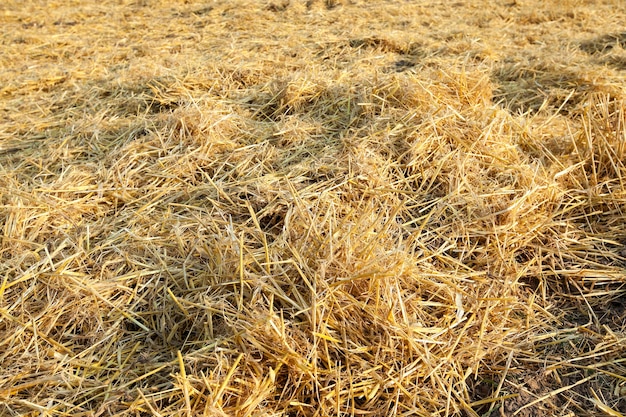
313	208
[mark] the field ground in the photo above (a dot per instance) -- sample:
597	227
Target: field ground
312	208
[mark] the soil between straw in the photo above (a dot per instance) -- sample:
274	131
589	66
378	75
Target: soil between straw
311	208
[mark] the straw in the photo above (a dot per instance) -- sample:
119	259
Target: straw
312	208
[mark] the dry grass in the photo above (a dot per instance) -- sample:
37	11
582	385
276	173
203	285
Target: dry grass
322	208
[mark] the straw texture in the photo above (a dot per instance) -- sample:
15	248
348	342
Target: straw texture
312	208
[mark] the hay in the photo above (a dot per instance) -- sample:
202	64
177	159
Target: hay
312	208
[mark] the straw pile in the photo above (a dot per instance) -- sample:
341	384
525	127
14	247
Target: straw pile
322	208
